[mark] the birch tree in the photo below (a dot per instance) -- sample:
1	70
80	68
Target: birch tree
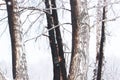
80	40
19	68
102	40
98	34
98	26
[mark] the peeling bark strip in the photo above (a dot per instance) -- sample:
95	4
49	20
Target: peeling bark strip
101	50
19	68
80	40
50	22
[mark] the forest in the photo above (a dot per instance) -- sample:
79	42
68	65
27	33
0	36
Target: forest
59	39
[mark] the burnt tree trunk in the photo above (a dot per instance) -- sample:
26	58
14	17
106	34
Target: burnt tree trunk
59	42
52	17
53	44
19	68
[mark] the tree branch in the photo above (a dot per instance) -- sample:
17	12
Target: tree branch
46	32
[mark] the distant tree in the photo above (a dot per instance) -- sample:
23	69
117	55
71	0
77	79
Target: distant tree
80	40
98	34
19	68
102	40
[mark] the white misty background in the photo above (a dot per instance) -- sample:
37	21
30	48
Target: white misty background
39	60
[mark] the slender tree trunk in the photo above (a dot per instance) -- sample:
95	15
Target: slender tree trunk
101	50
19	68
98	27
80	40
57	38
98	34
59	43
53	44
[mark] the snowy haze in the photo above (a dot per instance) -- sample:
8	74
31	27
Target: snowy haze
38	53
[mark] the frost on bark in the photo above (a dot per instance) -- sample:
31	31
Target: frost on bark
98	34
98	27
102	41
19	66
80	40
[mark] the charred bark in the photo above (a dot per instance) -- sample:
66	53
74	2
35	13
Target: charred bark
57	38
12	35
53	44
59	42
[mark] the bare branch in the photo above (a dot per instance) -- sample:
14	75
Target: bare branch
109	4
2	4
45	32
3	18
43	10
3	31
31	25
34	8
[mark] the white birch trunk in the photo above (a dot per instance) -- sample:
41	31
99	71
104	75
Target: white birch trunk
80	53
18	53
98	33
84	39
21	65
98	26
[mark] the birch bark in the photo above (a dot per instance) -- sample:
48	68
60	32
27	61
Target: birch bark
80	40
19	66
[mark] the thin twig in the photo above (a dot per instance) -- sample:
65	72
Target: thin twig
3	18
46	32
3	32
